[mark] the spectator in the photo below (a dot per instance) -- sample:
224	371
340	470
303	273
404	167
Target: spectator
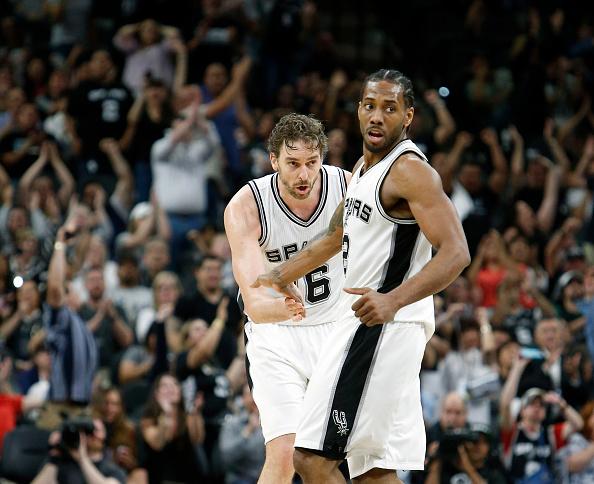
230	119
529	445
166	292
489	267
94	251
87	463
148	118
170	434
12	404
72	347
104	320
452	416
20	148
467	371
146	220
35	182
242	443
472	461
156	258
178	161
148	47
121	438
577	456
98	108
203	303
130	295
21	330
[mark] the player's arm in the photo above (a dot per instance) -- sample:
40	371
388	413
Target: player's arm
419	184
312	256
242	226
306	260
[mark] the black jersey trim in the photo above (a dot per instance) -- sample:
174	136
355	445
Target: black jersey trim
287	211
378	202
343	182
261	213
403	246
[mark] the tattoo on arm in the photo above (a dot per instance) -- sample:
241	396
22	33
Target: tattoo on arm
336	220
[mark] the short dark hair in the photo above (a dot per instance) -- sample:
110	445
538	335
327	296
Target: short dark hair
395	77
202	259
298	127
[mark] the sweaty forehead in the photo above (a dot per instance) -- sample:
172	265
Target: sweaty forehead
383	89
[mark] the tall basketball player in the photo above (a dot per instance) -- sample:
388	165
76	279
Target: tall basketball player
363	401
268	221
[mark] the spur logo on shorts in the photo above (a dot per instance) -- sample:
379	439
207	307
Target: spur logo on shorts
340	421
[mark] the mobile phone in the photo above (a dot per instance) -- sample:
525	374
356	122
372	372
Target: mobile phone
530	353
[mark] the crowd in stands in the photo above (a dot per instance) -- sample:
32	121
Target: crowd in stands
126	126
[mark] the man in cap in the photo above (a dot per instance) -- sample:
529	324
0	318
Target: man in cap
529	443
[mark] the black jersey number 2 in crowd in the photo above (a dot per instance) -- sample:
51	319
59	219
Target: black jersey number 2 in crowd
317	286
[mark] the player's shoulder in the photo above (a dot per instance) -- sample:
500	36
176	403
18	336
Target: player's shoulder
242	204
412	173
336	173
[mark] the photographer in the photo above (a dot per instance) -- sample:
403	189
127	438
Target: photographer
464	456
81	460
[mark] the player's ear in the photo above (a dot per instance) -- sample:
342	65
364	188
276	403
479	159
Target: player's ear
408	116
273	161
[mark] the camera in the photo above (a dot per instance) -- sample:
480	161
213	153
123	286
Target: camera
452	439
71	429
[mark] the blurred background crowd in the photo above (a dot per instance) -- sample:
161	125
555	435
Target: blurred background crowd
126	125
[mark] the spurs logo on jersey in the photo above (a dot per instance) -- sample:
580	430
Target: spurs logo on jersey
357	208
397	244
283	234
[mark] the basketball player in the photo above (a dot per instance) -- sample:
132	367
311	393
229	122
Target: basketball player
363	401
268	221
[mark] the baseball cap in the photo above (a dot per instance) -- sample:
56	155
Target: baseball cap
479	428
531	395
141	210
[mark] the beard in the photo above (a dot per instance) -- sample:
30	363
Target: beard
292	190
387	145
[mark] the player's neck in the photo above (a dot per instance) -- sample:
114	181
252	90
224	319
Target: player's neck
371	158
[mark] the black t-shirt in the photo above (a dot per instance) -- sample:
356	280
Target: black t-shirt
480	219
147	132
450	474
12	142
107	345
196	306
69	471
176	462
209	380
100	111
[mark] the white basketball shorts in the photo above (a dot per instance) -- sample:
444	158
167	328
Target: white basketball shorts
280	362
363	402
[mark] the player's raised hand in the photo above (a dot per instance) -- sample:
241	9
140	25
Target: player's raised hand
270	279
372	307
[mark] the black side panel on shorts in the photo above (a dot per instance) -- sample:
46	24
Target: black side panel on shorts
349	390
247	363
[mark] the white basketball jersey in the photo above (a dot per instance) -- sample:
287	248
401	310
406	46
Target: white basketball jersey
380	251
283	234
